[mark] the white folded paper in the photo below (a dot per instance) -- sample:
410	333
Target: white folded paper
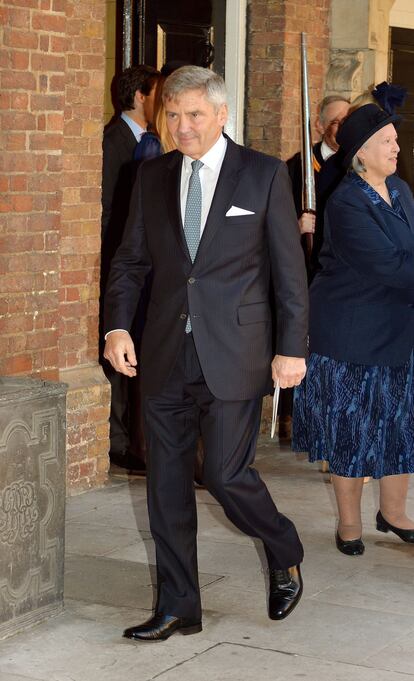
274	410
234	211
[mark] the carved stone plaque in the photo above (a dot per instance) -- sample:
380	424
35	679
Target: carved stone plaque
32	501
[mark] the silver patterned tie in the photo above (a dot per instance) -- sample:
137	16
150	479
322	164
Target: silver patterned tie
192	217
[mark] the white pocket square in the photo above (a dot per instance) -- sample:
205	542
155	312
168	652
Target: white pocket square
234	210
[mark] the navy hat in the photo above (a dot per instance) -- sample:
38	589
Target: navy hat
359	126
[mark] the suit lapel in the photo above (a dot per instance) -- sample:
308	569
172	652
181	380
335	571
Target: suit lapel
226	185
128	136
173	194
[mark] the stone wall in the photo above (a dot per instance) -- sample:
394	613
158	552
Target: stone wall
359	45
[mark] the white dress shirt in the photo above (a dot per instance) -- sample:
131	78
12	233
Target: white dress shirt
212	162
326	151
135	127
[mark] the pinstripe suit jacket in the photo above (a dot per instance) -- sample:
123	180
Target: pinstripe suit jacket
228	287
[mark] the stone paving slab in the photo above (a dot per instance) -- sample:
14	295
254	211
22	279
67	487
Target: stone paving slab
71	648
321	630
380	587
89	539
398	656
355	621
99	579
227	662
4	676
123	513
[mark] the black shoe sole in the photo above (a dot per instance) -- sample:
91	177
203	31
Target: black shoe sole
193	629
185	631
383	526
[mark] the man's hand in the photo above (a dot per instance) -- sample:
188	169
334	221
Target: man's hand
307	223
289	371
118	346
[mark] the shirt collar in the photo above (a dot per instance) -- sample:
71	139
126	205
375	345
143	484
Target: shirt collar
326	151
212	158
137	130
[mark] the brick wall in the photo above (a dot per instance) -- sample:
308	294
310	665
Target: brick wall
82	168
88	398
32	100
52	85
273	102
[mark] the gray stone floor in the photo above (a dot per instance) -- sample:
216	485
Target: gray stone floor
355	621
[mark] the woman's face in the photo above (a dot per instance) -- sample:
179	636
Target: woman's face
379	153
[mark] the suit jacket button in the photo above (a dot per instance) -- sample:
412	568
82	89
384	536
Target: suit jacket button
183	316
191	280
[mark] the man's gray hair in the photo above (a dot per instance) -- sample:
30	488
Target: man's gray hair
330	100
196	78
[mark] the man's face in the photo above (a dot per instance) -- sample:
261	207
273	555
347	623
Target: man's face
194	123
333	116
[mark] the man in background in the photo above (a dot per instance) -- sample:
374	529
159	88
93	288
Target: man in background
135	96
332	112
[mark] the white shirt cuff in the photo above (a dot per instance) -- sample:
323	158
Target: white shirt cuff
113	331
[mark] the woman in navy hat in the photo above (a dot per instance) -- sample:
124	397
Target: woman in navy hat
356	408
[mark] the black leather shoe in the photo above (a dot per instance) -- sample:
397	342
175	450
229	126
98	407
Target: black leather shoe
132	464
285	590
352	547
285	428
160	627
384	526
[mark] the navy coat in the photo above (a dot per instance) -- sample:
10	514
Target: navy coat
362	302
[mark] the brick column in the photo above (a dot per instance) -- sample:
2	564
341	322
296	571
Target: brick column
89	394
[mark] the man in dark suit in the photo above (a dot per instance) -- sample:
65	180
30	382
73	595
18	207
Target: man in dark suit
215	224
135	93
332	111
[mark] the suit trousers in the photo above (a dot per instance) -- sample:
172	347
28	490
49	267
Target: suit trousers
174	420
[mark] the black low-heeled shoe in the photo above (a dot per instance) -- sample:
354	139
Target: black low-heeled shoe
384	526
352	547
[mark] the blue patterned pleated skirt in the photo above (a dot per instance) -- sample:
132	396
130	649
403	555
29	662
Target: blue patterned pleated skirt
359	418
